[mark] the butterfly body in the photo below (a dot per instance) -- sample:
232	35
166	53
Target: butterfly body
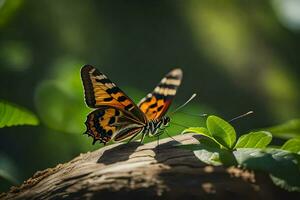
116	117
156	126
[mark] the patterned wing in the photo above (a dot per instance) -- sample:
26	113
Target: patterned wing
156	103
100	91
110	123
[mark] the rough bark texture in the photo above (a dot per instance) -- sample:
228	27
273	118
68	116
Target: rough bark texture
135	171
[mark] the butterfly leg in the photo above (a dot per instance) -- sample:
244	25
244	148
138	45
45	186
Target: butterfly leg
143	137
171	136
157	143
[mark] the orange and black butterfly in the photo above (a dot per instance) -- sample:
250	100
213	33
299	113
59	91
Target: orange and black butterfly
116	117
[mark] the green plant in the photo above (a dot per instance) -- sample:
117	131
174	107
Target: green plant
219	146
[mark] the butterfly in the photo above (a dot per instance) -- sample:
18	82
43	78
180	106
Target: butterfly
116	117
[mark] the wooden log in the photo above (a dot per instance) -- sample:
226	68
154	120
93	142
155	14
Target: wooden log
148	171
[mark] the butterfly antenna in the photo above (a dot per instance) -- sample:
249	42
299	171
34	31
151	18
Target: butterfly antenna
183	105
195	115
241	116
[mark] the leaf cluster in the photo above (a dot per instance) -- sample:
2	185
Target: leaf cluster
219	146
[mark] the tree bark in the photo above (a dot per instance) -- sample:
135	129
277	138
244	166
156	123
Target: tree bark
146	171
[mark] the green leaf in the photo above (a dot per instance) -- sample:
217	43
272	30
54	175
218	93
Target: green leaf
221	131
281	164
286	130
292	145
12	115
209	156
199	130
204	132
258	139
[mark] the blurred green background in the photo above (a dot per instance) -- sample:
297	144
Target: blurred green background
236	55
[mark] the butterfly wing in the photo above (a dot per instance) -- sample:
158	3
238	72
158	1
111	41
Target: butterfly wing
100	91
156	103
110	123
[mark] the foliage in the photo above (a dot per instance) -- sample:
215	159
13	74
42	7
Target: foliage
12	115
218	146
286	130
292	145
258	139
221	131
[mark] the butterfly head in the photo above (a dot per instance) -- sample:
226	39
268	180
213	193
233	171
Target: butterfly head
166	120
